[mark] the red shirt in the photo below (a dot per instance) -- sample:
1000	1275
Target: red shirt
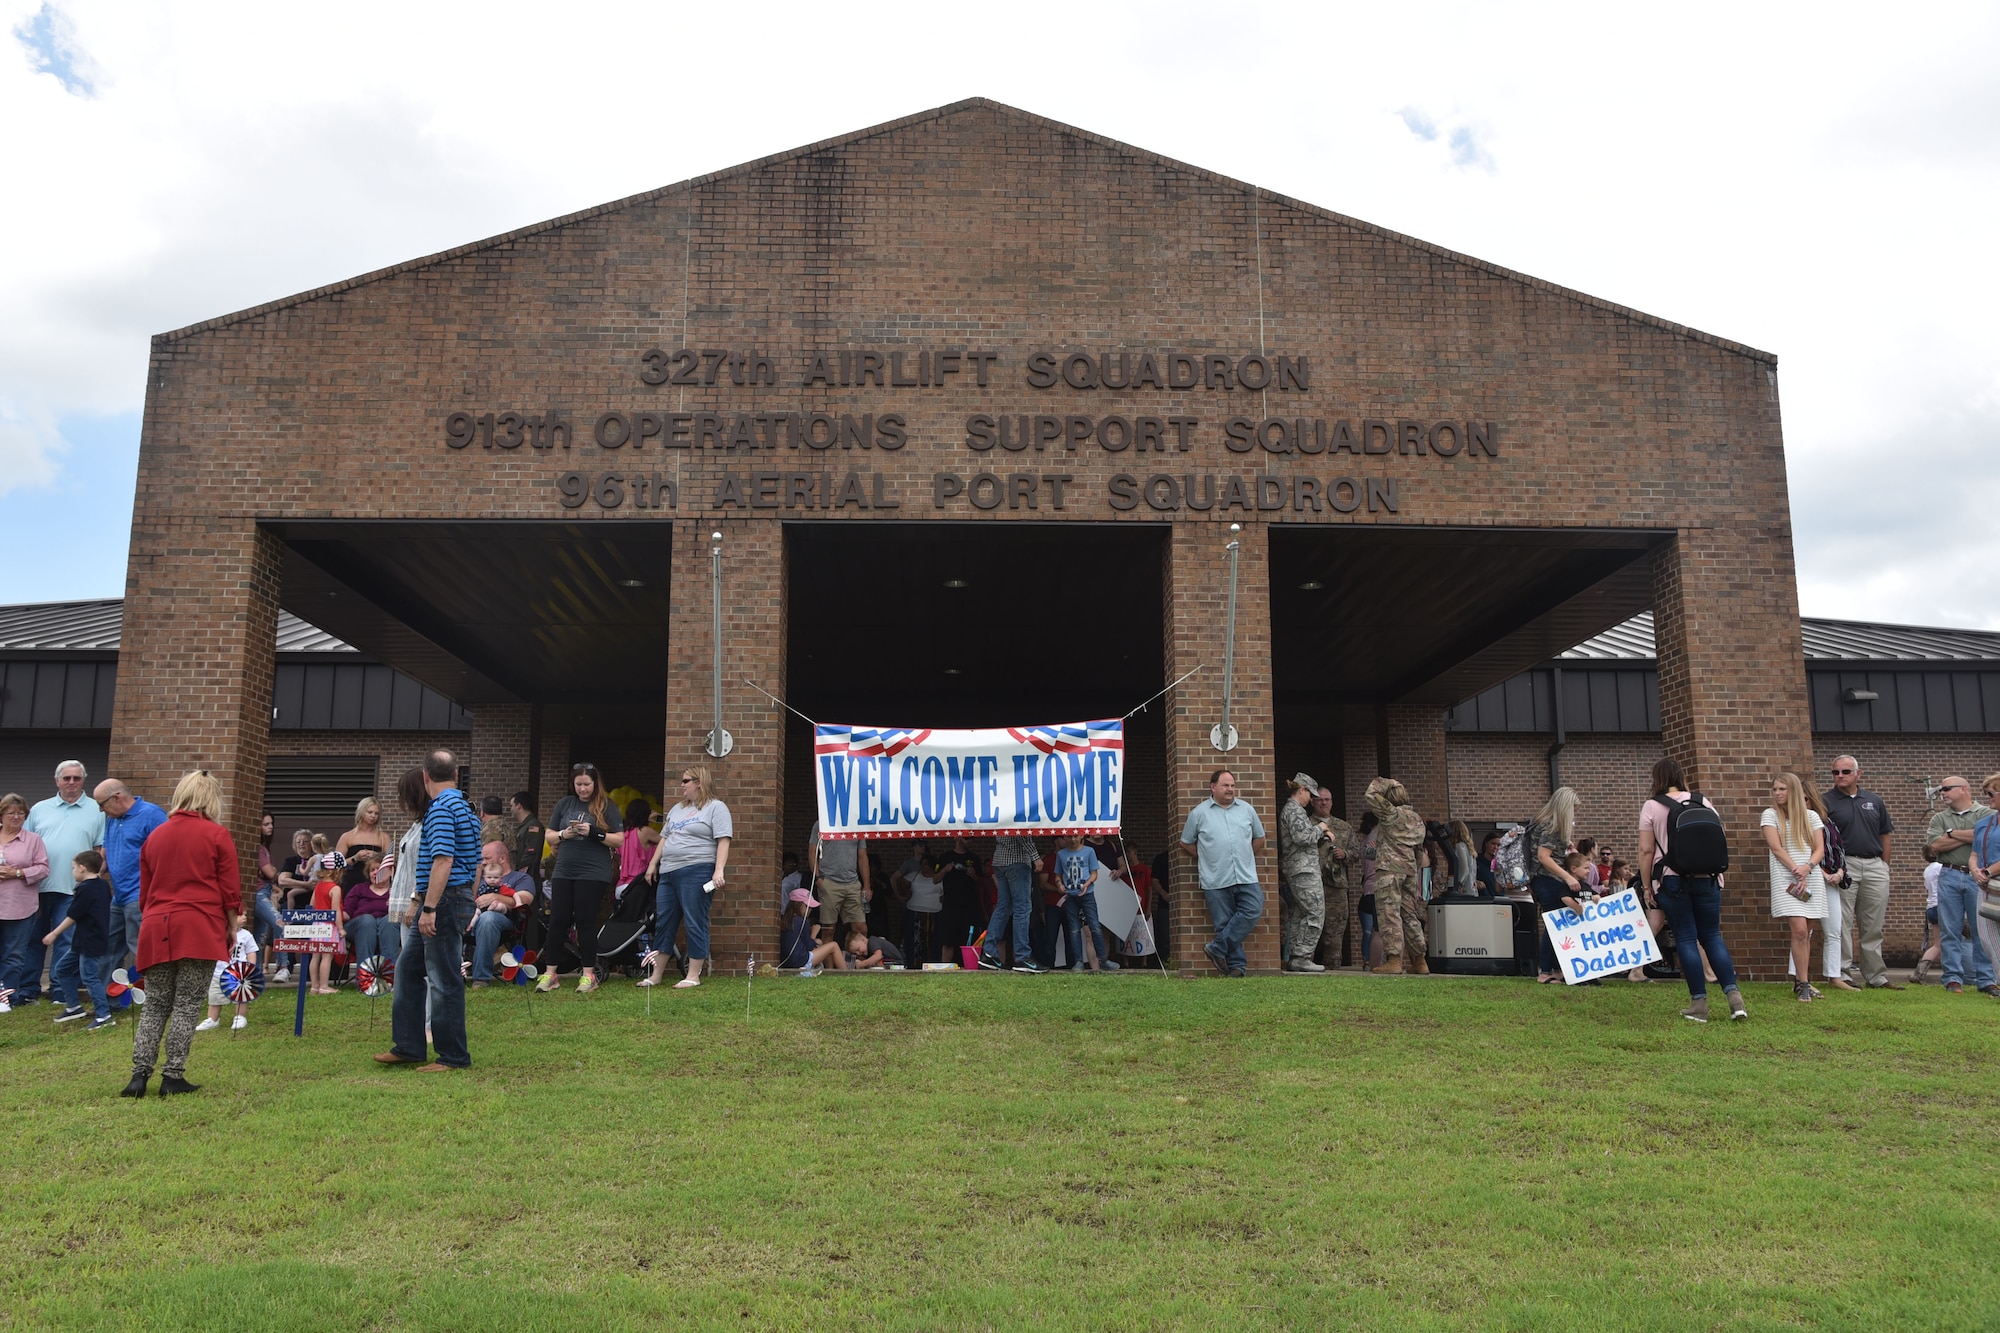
188	887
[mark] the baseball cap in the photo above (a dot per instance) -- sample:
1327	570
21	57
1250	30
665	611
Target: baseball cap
803	896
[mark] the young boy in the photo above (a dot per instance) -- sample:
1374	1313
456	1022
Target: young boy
865	950
1077	869
244	950
1577	863
90	916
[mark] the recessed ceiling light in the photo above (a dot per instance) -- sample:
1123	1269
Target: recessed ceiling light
956	583
631	583
1311	585
951	671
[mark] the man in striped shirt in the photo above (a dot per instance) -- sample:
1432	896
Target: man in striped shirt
447	875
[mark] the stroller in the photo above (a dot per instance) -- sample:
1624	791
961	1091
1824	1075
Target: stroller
621	939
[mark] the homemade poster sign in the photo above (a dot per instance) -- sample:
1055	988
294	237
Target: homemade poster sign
1608	937
900	782
306	931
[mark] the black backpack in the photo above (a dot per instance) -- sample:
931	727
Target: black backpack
1696	843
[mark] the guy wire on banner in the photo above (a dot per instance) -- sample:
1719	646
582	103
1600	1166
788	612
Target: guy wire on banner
1152	937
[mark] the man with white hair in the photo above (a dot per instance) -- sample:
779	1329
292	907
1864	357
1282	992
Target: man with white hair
1865	827
67	823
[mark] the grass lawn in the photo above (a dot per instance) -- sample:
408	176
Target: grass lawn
1007	1151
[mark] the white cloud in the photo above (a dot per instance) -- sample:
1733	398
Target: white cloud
1820	181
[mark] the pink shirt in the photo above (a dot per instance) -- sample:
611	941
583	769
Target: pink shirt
19	898
1653	816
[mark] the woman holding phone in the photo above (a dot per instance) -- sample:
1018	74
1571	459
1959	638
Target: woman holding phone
1793	832
586	832
689	864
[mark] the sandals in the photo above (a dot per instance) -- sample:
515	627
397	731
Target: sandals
687	983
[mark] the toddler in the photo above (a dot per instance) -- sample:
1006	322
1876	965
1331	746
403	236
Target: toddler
244	950
326	898
1077	870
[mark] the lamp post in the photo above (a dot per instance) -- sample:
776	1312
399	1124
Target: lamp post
720	742
1223	736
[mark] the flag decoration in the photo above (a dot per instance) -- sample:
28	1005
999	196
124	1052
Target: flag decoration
375	976
905	782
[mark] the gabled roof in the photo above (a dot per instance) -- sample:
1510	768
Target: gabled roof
969	105
95	627
1825	641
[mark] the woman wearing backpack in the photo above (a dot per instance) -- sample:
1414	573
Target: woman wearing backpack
1798	891
1692	902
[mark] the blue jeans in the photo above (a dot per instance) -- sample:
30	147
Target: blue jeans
430	968
95	973
682	904
1234	908
1079	909
1958	905
63	977
373	937
1694	909
487	928
1367	920
1016	883
15	939
268	926
1548	893
125	933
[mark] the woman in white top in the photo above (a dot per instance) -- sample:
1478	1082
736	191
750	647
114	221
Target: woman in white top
689	864
1798	891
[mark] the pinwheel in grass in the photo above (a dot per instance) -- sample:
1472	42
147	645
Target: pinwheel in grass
375	975
518	966
242	980
121	992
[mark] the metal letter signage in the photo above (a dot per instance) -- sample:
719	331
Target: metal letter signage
898	782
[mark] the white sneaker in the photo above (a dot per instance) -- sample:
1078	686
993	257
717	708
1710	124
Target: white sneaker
208	1025
240	1022
808	971
6	1008
281	976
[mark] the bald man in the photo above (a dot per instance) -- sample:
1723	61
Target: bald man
1863	820
128	822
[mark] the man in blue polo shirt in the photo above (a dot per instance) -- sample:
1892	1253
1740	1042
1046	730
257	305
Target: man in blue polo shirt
67	823
128	821
434	954
1224	835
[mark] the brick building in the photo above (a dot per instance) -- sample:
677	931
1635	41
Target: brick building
974	400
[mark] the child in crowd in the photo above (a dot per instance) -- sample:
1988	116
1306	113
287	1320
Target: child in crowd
866	951
1577	863
90	916
327	864
1077	869
798	942
1621	876
1589	874
244	950
1933	869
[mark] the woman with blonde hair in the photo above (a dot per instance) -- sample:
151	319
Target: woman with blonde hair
1793	832
1548	840
689	865
190	902
1830	944
1464	860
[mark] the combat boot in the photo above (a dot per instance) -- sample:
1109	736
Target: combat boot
1421	967
1390	966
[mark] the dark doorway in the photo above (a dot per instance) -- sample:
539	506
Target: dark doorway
967	625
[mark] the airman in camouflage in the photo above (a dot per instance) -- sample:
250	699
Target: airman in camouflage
1299	838
1339	862
1399	902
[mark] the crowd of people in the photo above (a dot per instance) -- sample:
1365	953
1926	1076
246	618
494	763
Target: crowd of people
107	891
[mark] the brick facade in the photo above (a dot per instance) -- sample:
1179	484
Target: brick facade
971	228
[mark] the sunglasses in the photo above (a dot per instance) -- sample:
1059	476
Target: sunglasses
1842	772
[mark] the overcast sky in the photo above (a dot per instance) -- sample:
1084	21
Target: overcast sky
1818	181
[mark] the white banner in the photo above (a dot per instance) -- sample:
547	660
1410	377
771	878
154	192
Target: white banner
899	782
1608	937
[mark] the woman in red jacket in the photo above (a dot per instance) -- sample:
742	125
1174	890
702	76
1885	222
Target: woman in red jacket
190	900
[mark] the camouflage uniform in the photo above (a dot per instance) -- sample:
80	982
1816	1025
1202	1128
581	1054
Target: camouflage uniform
1399	902
1335	876
1298	867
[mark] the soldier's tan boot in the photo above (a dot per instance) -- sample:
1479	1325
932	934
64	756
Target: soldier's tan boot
1390	966
1419	967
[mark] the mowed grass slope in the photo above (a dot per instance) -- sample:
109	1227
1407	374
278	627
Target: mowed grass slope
1003	1151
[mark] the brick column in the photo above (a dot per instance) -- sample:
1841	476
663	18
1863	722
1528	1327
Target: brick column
498	751
1196	594
1416	757
555	770
1733	701
751	780
197	656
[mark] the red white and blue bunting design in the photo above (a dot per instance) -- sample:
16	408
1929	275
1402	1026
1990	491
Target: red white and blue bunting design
908	782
